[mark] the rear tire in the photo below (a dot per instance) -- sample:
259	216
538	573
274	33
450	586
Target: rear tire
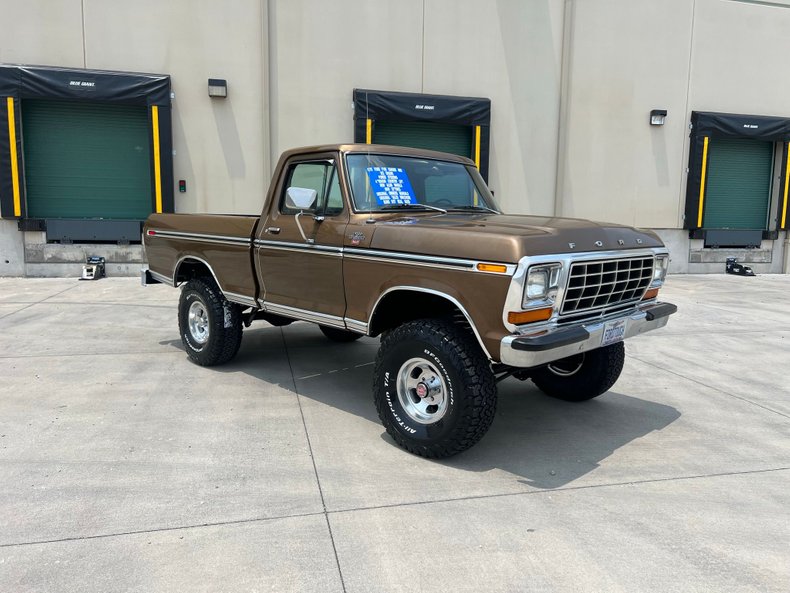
209	324
583	376
434	388
339	335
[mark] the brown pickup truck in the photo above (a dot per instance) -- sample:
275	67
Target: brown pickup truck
410	245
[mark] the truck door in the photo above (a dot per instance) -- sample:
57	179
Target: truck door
298	251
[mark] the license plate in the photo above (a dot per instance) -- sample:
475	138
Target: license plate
613	331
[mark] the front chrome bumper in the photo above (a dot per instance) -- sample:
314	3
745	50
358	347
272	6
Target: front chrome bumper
558	342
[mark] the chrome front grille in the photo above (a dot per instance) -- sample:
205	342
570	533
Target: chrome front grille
606	284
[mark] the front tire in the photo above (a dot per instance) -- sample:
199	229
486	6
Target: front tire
434	388
209	324
583	376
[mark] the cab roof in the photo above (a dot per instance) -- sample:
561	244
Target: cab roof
380	149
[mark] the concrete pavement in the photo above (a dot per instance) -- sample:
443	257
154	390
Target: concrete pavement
124	467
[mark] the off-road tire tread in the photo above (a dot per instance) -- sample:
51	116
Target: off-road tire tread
339	335
224	342
464	353
601	371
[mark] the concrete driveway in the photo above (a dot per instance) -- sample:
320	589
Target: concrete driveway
124	467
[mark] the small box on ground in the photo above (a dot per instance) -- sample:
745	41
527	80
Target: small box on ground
93	268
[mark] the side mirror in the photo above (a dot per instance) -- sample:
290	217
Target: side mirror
300	198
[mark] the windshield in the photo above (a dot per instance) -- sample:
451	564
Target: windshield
389	182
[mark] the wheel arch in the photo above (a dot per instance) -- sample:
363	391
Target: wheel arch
399	304
191	266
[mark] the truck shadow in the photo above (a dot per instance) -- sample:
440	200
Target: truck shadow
546	442
551	443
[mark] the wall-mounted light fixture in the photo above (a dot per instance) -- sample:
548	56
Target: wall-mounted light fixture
217	87
658	117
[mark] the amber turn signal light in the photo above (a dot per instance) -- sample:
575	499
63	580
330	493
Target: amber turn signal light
498	268
650	294
519	317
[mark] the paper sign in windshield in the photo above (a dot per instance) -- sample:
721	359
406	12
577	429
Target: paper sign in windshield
391	186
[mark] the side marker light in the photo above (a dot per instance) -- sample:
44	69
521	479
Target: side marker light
498	268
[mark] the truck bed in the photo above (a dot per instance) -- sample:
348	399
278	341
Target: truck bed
220	241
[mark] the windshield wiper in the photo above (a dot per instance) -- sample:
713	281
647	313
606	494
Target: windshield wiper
486	208
413	207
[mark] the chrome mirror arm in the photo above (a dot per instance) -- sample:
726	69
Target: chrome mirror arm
301	230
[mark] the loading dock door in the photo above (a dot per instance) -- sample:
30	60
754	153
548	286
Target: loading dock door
739	183
452	138
86	160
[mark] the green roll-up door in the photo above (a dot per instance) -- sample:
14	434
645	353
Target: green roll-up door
86	160
739	183
452	138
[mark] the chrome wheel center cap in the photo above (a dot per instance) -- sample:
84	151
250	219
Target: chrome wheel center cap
422	391
429	388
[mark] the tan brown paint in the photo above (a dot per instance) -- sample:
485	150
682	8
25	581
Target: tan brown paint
227	261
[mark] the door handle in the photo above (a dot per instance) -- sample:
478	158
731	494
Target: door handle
274	230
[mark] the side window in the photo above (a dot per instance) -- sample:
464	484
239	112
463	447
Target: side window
321	177
308	176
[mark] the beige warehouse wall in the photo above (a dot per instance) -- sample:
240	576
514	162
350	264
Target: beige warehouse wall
219	144
321	51
507	50
292	65
511	52
42	32
220	148
740	57
625	57
313	53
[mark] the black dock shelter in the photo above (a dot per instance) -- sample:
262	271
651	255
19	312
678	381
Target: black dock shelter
43	106
710	130
461	125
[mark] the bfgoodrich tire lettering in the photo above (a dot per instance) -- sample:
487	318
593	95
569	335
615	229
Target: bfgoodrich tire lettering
582	377
209	324
453	366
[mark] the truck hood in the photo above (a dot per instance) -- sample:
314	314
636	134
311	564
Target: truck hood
503	237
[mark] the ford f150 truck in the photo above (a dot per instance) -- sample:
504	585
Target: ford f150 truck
410	245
